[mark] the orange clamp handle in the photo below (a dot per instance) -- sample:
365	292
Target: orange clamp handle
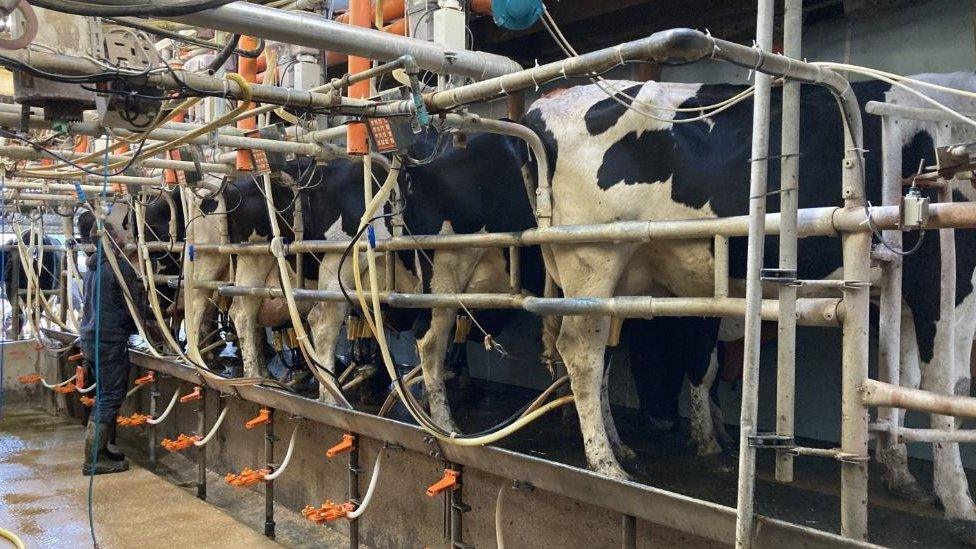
86	401
329	511
64	389
197	394
79	377
348	443
134	420
449	481
246	477
76	358
150	377
181	443
30	378
264	416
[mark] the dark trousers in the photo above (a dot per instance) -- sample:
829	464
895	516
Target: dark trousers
113	377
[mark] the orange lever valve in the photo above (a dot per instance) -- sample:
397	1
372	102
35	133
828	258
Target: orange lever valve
64	389
181	443
329	511
347	444
197	394
263	417
148	378
86	401
450	481
29	379
246	477
79	377
135	420
76	358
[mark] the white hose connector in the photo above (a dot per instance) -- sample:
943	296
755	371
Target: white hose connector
369	491
499	539
135	390
88	389
284	462
56	385
213	430
162	418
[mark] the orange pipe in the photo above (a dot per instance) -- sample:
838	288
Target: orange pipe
248	68
81	146
262	63
356	143
392	10
481	6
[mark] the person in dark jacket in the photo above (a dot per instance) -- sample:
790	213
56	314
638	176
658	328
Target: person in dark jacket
106	325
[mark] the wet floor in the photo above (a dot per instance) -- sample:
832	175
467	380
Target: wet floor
44	497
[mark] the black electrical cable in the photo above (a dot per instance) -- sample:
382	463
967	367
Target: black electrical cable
224	54
149	9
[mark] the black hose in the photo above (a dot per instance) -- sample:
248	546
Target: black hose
224	54
148	9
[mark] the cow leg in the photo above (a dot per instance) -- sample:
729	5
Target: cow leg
433	350
206	267
702	426
622	451
950	483
589	271
326	318
894	459
251	271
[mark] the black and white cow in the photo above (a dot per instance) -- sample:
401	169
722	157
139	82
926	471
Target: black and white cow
611	163
476	188
47	265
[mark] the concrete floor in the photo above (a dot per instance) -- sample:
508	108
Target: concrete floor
44	497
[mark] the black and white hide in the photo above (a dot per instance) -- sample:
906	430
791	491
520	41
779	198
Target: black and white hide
611	163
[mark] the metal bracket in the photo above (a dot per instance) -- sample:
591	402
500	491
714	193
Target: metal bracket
522	485
771	441
778	276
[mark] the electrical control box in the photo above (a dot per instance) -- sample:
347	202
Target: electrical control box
450	28
914	211
420	19
67	35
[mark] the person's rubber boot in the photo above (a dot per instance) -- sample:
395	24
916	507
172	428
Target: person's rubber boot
96	441
113	452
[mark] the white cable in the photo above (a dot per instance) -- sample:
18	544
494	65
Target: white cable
213	430
499	539
284	462
369	491
56	385
172	402
88	389
134	390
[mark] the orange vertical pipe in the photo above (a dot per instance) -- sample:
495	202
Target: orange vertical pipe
392	10
248	68
81	146
359	15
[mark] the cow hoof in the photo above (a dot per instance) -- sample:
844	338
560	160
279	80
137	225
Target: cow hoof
964	531
625	453
912	491
720	462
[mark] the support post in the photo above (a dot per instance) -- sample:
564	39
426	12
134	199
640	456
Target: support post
753	316
789	185
629	532
269	438
202	450
889	322
151	431
854	364
514	270
458	508
15	310
354	471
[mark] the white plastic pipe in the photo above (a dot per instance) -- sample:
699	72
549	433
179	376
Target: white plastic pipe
284	462
369	491
213	430
169	408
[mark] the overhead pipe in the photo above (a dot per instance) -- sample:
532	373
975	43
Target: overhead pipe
315	31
